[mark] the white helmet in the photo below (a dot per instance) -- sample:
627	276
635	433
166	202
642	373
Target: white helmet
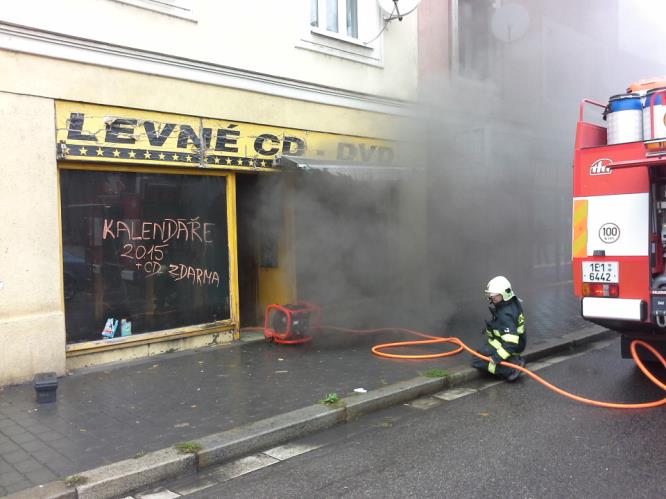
500	285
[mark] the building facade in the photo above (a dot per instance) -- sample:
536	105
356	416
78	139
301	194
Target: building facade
145	205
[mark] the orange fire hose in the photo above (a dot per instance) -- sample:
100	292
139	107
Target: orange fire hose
429	340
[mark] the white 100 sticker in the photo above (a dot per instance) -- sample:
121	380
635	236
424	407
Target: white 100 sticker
609	233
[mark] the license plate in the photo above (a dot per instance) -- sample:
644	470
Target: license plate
600	272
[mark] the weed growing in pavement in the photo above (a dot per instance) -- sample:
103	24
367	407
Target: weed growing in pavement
330	399
74	480
139	455
435	373
188	447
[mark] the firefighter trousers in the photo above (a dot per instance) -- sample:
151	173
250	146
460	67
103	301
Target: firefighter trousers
500	371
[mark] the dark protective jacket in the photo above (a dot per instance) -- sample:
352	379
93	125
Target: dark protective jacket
506	330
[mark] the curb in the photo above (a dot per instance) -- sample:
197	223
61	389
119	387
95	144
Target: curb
230	444
125	476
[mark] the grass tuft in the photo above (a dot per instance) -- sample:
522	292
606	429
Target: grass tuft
435	373
330	399
75	480
188	447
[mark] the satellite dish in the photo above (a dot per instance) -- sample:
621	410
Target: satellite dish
510	22
404	7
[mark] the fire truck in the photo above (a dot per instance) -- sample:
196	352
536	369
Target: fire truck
619	213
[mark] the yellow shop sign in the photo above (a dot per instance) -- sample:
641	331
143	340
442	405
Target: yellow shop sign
87	132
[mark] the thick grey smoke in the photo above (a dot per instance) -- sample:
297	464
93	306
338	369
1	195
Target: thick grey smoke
502	127
494	192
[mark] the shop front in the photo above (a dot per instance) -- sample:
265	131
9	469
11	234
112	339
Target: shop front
178	230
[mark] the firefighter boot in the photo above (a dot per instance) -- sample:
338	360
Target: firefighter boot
515	373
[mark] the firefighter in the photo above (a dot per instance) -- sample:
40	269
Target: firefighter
505	332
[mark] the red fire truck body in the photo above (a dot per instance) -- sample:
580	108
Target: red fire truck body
618	232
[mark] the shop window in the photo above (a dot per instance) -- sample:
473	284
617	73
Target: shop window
151	249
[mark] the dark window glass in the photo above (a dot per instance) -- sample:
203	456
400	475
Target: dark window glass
477	46
148	248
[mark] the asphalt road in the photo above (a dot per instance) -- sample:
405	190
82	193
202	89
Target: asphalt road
506	440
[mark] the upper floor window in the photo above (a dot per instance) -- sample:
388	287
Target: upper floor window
483	30
335	16
476	44
350	29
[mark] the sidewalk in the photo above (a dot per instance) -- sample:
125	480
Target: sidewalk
112	413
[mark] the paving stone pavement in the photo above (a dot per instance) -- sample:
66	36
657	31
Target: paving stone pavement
115	412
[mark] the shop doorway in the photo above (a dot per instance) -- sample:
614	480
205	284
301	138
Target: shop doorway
248	264
346	240
265	272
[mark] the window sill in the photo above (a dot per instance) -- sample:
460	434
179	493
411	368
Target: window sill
333	44
87	347
318	32
162	8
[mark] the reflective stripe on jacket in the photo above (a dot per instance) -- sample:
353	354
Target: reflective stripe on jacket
506	331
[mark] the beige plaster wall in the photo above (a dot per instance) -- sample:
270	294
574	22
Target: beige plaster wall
255	35
32	328
32	331
27	74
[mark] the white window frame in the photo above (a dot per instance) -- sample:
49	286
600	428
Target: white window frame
183	9
341	32
367	48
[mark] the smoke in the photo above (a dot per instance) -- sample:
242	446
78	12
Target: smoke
501	130
491	149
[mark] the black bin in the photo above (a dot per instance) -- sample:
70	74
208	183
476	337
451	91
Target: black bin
46	385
